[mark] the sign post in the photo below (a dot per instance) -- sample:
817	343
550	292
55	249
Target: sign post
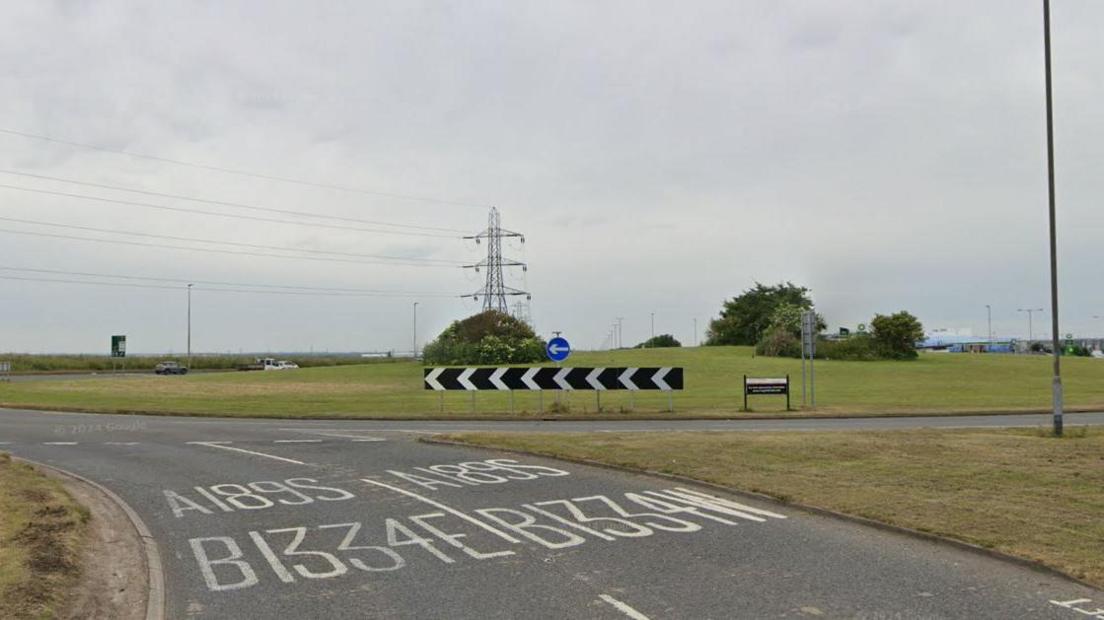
557	350
808	350
118	350
5	371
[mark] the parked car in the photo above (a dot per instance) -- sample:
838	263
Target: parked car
286	365
169	368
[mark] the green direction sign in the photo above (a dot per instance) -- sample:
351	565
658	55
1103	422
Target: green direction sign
118	346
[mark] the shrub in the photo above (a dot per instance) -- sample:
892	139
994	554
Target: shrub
660	341
779	342
487	338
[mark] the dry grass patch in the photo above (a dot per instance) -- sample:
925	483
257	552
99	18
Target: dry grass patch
41	530
1018	491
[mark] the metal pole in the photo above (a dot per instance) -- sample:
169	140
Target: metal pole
1056	385
989	312
415	339
653	325
745	393
189	327
695	332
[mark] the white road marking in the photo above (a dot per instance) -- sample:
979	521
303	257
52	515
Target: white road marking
120	443
623	608
222	445
452	511
5	443
344	436
297	441
60	443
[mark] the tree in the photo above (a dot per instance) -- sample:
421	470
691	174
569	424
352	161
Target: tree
896	335
744	319
489	337
660	341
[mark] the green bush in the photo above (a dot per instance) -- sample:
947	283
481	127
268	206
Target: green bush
779	342
487	338
857	348
659	342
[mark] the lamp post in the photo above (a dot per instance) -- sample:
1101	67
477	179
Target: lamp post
415	331
653	325
190	326
1030	326
1056	383
989	311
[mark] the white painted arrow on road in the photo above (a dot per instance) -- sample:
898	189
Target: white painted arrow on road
626	379
658	379
527	379
431	378
592	379
465	379
496	379
561	379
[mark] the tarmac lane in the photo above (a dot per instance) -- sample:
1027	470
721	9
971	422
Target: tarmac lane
335	521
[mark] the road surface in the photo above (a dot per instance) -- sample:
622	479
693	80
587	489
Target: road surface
297	519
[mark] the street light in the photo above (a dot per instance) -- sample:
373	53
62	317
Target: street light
415	337
1056	383
1030	328
989	311
190	326
653	325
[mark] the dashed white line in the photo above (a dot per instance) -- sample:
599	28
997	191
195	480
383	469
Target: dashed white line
222	445
60	443
120	443
297	441
623	608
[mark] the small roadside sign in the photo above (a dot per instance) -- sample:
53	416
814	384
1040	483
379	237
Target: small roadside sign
767	385
558	349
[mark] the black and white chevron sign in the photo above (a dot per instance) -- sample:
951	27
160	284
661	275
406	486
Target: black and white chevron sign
471	379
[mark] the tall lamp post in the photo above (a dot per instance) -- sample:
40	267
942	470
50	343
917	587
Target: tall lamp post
415	330
653	325
190	326
1056	384
989	311
1030	325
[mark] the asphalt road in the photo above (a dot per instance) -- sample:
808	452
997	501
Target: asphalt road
294	519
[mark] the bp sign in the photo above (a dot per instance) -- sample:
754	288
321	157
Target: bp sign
118	346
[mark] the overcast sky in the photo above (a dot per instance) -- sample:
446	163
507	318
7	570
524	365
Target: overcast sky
659	157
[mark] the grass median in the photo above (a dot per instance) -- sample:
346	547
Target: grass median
1019	491
41	533
938	383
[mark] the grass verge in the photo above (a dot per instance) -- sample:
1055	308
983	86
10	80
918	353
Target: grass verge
1020	492
41	532
933	384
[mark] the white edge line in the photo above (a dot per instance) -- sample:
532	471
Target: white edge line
214	444
623	608
155	602
59	443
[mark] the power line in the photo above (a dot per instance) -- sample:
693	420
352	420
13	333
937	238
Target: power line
207	250
146	205
245	173
236	205
212	290
401	259
221	282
